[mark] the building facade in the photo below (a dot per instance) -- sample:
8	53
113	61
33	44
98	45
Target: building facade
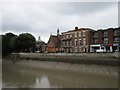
107	40
77	40
40	46
54	43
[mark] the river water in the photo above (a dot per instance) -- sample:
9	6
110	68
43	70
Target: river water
17	76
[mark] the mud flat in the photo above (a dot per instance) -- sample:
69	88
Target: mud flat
105	70
49	74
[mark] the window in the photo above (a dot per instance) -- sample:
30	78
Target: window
105	33
64	43
105	40
70	35
80	34
75	34
75	42
116	39
84	33
116	32
80	42
66	36
95	34
84	41
67	43
95	41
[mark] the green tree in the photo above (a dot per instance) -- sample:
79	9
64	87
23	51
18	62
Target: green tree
14	44
26	42
5	43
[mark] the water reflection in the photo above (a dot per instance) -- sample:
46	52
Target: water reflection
42	82
25	77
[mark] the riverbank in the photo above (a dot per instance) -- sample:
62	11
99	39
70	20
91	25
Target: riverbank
105	59
102	63
97	69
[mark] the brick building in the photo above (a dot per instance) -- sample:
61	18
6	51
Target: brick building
54	43
108	40
78	40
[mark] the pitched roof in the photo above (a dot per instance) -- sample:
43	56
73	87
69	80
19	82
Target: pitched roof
54	39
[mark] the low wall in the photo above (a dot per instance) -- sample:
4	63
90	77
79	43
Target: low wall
110	59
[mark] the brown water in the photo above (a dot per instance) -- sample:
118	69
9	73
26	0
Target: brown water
18	76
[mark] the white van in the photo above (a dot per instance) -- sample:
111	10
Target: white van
100	50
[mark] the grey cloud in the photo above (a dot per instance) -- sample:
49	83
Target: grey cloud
81	8
44	18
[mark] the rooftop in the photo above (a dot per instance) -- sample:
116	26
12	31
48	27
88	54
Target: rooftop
39	40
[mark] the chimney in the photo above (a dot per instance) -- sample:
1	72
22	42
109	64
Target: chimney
76	28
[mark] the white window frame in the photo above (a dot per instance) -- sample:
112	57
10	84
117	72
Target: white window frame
66	36
75	34
84	33
70	35
76	43
84	41
80	34
80	41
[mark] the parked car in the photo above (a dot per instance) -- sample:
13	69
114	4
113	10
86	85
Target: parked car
37	51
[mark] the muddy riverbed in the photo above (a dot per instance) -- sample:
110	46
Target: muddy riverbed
44	74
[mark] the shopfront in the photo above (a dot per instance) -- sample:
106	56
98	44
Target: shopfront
108	47
116	47
94	48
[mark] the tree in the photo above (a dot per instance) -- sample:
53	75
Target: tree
14	44
5	43
26	42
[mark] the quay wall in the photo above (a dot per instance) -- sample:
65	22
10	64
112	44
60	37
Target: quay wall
106	59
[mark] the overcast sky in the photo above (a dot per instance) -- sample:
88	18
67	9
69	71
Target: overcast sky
43	18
